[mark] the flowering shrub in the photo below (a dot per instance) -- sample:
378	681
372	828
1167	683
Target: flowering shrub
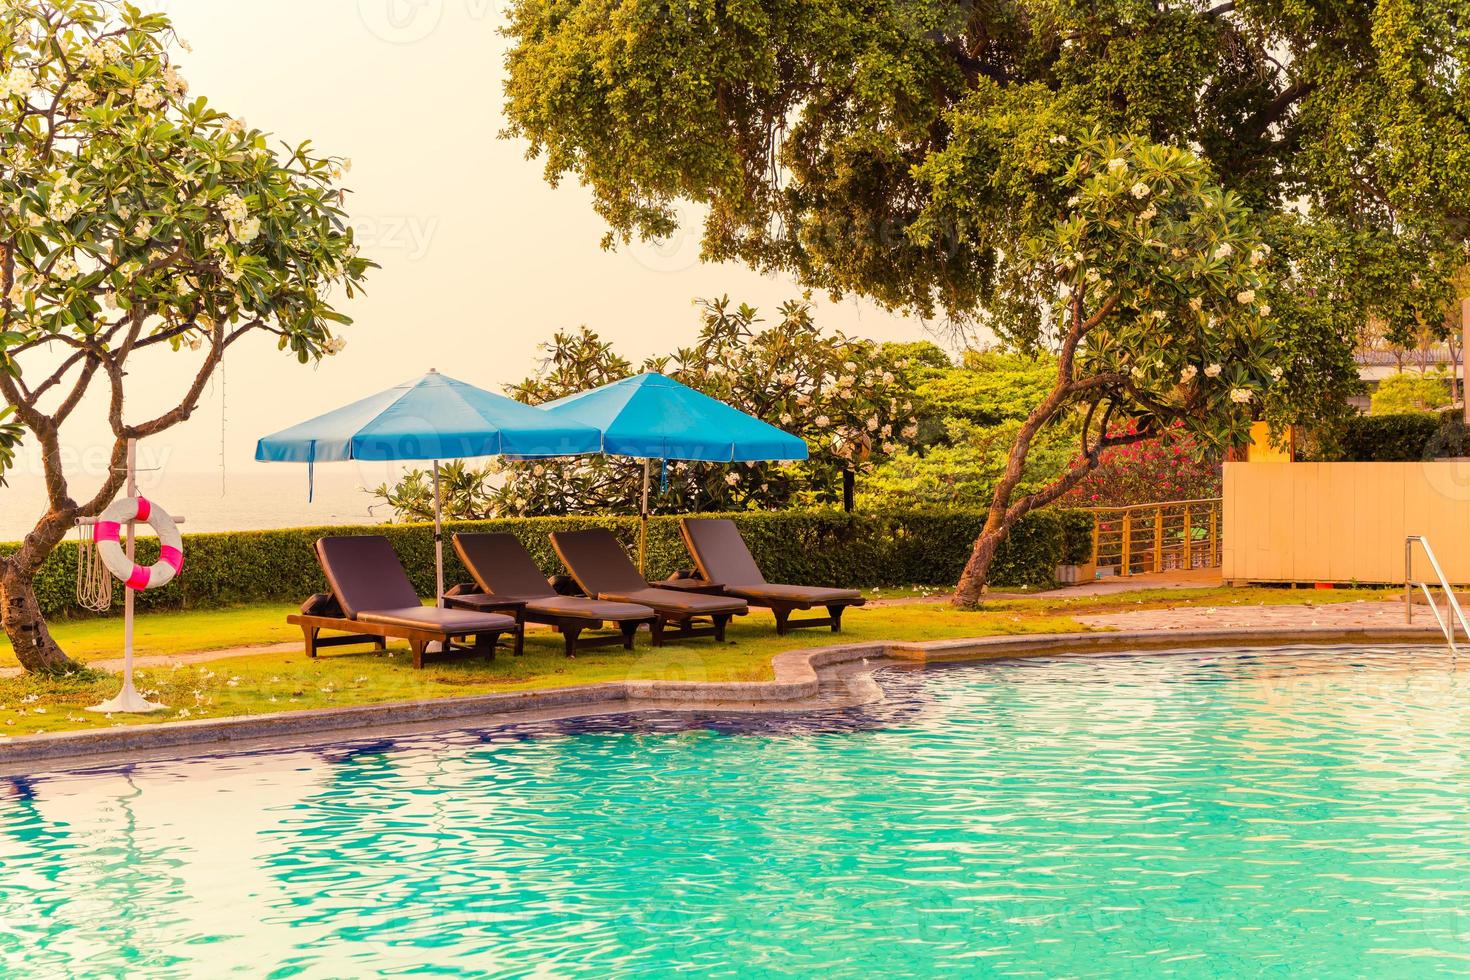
1168	468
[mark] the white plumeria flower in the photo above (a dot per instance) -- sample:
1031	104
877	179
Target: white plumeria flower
1213	371
1224	251
1265	309
1141	190
1187	375
1276	373
1117	165
1245	297
1241	396
246	231
823	421
1197	304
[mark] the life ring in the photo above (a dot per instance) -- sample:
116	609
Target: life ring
108	535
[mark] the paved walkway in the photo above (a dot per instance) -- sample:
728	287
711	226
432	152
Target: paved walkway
1112	585
1346	615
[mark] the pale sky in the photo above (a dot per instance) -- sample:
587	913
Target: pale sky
481	259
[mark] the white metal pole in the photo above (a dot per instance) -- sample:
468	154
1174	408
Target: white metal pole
128	700
643	525
438	541
129	550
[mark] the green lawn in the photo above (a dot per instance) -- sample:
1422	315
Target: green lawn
255	682
263	682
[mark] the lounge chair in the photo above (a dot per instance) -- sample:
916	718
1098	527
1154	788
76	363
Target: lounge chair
503	569
372	600
602	569
723	560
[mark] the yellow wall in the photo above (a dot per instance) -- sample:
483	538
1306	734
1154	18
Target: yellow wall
1343	522
1262	450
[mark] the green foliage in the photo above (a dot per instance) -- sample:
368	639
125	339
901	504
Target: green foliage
1408	438
905	151
988	388
963	469
1405	392
805	548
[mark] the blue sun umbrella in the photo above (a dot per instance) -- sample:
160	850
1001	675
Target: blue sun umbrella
652	416
430	418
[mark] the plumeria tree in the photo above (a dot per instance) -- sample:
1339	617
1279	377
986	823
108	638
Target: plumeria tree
136	220
850	399
1152	287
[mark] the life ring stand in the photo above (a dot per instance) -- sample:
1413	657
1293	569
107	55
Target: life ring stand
108	535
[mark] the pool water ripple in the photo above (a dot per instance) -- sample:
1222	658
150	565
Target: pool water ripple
1230	813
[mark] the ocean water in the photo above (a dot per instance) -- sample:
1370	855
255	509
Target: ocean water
1269	813
253	499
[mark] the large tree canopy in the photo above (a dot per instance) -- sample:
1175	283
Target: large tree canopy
900	150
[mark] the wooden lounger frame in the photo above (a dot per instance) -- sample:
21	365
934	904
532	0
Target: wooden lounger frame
468	596
314	618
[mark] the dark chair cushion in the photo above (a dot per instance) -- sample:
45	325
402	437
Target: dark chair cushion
452	621
720	551
597	561
811	595
574	607
365	574
501	565
680	603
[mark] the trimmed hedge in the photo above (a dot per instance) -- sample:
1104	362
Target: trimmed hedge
1406	438
919	547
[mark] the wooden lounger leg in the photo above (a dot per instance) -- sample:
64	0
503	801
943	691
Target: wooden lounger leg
657	629
311	634
782	616
569	634
721	621
418	652
630	630
836	613
485	643
520	632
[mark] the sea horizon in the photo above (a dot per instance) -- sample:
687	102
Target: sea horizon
245	499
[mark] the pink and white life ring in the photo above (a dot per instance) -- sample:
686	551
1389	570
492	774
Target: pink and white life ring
108	536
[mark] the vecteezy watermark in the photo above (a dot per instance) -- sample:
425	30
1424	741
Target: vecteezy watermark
411	21
409	235
677	251
94	462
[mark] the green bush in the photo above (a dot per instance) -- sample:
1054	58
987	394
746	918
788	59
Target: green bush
1403	438
924	547
1411	391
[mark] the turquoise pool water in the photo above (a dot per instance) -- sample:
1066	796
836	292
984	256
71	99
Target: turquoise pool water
1282	813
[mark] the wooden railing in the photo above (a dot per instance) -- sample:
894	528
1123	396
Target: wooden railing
1176	535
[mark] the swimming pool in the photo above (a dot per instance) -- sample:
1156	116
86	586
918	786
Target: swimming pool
1283	812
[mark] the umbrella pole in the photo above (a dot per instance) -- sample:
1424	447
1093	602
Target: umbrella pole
643	524
438	541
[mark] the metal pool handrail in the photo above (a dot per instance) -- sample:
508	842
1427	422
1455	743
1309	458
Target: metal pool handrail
1446	626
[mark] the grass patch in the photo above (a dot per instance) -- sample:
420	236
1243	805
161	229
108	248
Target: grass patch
258	683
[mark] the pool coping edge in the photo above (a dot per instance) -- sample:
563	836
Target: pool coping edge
796	685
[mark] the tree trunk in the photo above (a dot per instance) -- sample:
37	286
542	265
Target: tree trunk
977	569
20	614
